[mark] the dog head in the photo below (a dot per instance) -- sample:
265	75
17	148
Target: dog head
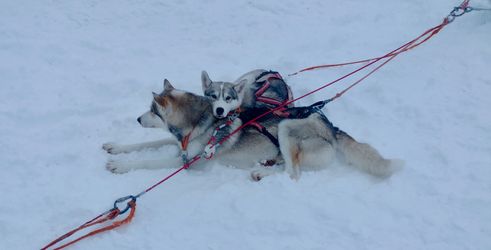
159	109
175	108
225	96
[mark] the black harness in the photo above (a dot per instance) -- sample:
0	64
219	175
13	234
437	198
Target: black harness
290	113
280	113
250	114
263	82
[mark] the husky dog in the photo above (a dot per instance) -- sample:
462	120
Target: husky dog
190	117
252	85
309	140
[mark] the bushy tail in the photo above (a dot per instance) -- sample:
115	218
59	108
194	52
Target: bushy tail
365	157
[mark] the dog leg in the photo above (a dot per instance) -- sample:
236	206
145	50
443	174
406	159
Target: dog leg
305	142
260	172
113	148
120	167
289	148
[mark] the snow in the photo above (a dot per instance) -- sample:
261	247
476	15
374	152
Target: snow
76	74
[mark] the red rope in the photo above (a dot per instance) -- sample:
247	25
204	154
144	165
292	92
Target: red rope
391	55
395	52
399	50
112	214
465	4
185	166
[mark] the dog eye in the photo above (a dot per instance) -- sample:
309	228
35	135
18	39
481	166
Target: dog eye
228	98
153	109
214	96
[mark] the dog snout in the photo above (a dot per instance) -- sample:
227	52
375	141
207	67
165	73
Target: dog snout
220	111
139	119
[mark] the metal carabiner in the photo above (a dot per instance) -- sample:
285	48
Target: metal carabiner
123	199
456	12
233	116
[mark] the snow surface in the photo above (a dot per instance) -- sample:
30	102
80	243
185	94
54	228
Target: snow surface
76	74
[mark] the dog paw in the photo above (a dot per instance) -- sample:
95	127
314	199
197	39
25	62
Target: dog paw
112	148
117	167
295	177
256	175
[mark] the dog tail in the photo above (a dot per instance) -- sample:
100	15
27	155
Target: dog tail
365	157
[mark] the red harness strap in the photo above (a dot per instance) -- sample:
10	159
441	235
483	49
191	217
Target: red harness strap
185	141
256	125
184	146
268	100
259	93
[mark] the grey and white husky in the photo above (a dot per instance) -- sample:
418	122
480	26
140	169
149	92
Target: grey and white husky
189	117
258	89
310	141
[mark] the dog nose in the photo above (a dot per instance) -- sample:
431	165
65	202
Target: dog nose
220	111
139	119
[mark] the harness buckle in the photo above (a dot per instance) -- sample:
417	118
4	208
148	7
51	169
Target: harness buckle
184	156
233	116
319	105
210	150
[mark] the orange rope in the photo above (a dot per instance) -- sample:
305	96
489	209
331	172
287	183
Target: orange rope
98	220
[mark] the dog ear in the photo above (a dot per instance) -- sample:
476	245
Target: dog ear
167	85
205	80
239	87
159	99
